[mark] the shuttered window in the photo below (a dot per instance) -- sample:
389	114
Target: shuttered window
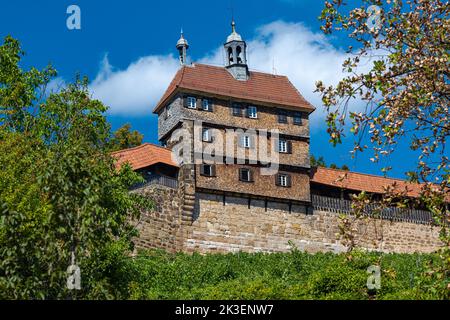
282	117
208	170
245	175
237	110
252	112
191	102
283	180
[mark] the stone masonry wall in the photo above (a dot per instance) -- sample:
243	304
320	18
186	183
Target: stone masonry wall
234	227
158	228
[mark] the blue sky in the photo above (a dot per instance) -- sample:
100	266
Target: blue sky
127	49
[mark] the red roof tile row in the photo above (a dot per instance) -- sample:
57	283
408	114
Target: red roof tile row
144	156
362	182
261	87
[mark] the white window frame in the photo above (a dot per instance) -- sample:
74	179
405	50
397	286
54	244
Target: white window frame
246	141
206	106
206	135
252	112
282	146
191	105
283	180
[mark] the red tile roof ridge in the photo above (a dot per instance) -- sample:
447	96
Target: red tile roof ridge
363	174
285	93
139	147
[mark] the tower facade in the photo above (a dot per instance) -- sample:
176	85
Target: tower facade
245	135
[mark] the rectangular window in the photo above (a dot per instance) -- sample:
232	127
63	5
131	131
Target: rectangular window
191	102
297	118
283	180
282	146
206	135
245	175
206	105
282	117
237	110
252	112
208	170
246	141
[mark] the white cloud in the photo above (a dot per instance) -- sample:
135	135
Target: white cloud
293	49
135	90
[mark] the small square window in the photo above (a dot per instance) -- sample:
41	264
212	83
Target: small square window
192	102
206	135
282	146
252	112
245	175
206	105
237	110
297	118
207	170
282	117
246	141
283	180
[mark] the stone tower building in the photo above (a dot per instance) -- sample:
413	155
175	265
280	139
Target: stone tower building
233	113
234	174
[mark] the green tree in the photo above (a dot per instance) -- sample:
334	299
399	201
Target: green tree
124	138
406	92
62	201
319	162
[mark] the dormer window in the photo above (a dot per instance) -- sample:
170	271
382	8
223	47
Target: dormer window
191	102
252	112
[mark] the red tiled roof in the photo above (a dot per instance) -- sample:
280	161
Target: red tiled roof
144	156
361	182
261	87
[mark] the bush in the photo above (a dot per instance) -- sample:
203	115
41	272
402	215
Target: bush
295	275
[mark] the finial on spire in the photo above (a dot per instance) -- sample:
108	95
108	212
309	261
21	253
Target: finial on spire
233	26
182	46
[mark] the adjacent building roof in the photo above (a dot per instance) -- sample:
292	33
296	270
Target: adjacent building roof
361	182
261	87
144	156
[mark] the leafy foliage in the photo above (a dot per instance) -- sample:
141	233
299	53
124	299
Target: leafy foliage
124	138
320	162
406	92
294	275
62	199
